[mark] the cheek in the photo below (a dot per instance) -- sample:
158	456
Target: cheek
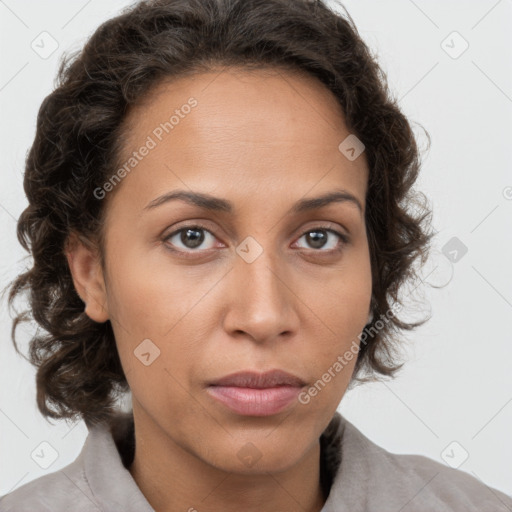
159	309
148	295
345	300
343	304
332	356
347	311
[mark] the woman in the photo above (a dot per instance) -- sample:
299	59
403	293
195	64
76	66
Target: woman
221	216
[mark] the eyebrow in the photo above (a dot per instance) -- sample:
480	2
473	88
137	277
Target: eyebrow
213	203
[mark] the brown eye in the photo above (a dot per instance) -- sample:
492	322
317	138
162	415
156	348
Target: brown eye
322	239
190	237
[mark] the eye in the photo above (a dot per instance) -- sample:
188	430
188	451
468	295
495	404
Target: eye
191	237
318	238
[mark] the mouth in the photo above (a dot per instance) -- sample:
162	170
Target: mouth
251	393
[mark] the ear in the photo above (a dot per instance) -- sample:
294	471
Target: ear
85	267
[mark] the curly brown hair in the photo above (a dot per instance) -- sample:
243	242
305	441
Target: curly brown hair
77	146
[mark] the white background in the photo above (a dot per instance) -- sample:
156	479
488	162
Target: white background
457	384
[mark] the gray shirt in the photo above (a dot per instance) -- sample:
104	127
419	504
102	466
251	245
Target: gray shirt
359	476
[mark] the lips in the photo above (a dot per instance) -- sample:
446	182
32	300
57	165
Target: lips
249	379
256	394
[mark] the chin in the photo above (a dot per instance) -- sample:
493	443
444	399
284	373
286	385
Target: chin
258	454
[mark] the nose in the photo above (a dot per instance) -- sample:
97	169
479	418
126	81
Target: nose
261	304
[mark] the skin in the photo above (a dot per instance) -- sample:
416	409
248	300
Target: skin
263	140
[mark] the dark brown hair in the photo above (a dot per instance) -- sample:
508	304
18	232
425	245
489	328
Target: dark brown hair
76	150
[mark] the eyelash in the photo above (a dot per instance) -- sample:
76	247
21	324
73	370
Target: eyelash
190	253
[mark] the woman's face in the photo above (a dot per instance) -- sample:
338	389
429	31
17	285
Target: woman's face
261	285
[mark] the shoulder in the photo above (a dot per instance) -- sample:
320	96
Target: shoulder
63	490
96	480
433	483
388	481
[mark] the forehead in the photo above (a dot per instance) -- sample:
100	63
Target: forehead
248	128
270	104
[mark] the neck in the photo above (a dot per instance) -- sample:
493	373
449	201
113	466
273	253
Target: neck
172	478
